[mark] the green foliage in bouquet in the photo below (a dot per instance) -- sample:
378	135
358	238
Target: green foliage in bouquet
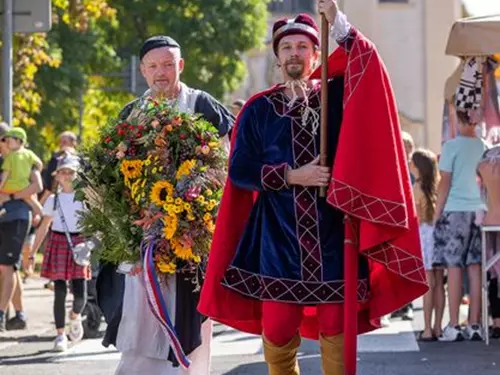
157	177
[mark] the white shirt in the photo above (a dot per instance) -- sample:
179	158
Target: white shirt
70	209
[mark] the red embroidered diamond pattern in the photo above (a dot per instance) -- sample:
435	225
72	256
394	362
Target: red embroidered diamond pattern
305	201
399	261
273	177
304	150
286	290
366	207
357	63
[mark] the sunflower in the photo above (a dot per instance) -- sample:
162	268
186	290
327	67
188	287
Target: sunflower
171	224
181	251
168	268
160	191
131	168
209	224
185	169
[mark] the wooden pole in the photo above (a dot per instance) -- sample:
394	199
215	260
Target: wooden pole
323	153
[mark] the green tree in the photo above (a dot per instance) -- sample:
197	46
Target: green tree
35	54
99	36
213	35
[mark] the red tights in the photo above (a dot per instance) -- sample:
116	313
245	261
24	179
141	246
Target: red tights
281	321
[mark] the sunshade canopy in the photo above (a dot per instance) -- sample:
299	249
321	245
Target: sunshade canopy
475	36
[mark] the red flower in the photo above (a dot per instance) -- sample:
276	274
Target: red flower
140	127
121	132
107	140
139	135
182	136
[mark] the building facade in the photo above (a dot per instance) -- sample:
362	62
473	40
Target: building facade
411	37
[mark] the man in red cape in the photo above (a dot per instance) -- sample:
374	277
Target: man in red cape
286	263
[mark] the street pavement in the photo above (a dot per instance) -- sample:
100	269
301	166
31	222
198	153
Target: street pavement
389	351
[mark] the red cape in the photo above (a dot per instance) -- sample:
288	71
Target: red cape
370	183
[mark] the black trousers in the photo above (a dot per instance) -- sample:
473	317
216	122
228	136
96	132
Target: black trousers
494	299
79	287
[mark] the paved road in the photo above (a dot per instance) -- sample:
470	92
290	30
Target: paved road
389	351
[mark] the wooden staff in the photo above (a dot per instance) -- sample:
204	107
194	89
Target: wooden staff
323	153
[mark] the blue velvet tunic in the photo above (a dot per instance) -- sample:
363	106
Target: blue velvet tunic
292	247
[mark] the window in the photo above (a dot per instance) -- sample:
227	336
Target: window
292	6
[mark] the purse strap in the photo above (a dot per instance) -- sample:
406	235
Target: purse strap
63	221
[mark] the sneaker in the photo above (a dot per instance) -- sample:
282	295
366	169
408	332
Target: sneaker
16	323
474	332
2	324
61	343
495	333
49	285
451	333
385	321
408	314
75	329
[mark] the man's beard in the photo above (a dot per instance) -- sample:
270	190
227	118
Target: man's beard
161	89
295	72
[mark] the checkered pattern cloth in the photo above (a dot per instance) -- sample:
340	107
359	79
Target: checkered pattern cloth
469	91
58	261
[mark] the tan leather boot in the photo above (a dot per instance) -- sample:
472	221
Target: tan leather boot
282	360
332	354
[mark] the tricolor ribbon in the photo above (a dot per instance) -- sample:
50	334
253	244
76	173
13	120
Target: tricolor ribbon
159	307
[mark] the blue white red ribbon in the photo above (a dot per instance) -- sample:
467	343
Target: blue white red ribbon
159	307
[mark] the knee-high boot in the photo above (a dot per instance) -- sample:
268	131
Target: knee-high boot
282	360
332	354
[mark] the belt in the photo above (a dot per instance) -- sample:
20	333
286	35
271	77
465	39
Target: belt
64	233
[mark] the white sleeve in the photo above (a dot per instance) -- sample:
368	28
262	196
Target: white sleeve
341	27
48	206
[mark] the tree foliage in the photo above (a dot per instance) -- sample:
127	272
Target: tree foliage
93	37
213	35
35	91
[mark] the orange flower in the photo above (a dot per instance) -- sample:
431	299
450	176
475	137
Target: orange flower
177	121
160	142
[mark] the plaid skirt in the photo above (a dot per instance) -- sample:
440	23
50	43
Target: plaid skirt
58	261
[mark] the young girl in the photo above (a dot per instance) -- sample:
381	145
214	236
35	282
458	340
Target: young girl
424	168
61	210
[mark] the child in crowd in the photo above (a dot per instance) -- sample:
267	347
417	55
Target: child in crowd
17	167
457	237
424	168
60	219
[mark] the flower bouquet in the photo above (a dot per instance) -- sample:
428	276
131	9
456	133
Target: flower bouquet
156	178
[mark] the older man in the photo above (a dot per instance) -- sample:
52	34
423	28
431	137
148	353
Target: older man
14	227
132	326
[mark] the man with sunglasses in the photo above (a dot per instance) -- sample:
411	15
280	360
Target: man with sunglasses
14	227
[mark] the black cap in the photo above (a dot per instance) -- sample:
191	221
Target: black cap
158	41
239	103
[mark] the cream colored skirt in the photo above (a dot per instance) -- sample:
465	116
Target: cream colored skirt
142	342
